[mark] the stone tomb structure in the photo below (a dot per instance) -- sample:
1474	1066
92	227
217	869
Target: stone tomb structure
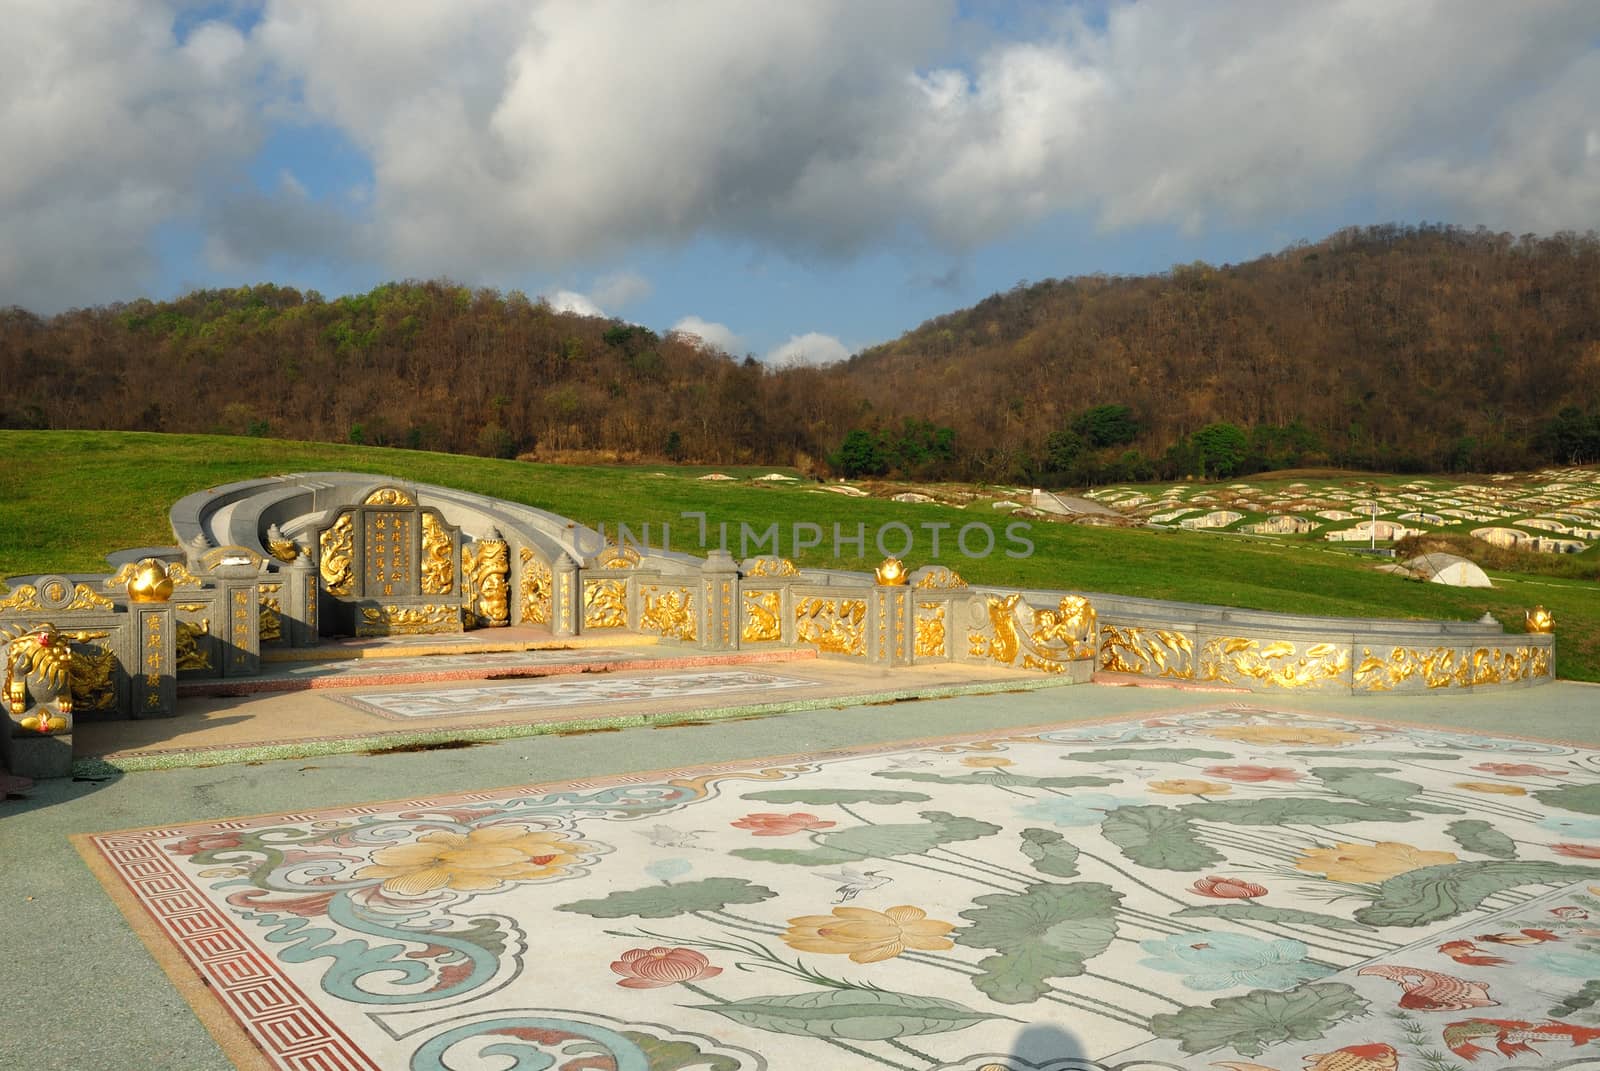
291	560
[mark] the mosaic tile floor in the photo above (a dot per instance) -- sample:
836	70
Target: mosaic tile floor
1235	888
546	694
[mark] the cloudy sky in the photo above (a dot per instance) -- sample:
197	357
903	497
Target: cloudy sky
794	179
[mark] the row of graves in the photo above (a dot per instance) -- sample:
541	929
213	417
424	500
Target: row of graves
1554	511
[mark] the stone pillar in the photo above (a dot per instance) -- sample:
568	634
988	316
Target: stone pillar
153	677
241	638
300	600
566	600
890	629
719	602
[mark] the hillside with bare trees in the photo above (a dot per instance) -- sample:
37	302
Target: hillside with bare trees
1386	347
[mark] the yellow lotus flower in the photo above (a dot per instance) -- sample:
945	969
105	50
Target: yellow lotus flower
474	862
983	762
1493	787
1186	786
868	936
1296	735
1369	862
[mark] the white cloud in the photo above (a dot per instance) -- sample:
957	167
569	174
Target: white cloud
719	335
621	289
534	135
810	348
572	301
109	128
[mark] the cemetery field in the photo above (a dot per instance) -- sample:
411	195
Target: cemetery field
68	498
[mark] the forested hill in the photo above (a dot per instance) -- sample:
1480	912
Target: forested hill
1389	347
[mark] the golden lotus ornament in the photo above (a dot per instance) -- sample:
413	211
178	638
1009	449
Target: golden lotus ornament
891	572
150	582
1540	620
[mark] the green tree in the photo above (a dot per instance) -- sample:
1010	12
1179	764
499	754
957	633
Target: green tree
861	454
1062	450
1106	425
1219	448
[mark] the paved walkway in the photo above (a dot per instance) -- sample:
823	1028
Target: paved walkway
103	1002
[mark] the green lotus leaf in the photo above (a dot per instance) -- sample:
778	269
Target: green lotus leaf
666	901
822	796
1262	913
1161	838
855	1014
1050	853
1283	810
1585	799
1368	786
1049	931
1262	1017
877	842
664	1055
1476	835
1432	893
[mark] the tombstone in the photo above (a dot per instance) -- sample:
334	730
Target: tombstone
389	566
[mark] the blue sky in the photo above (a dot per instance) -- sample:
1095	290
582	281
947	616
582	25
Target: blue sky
791	181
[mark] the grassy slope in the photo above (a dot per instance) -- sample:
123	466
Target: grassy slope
67	498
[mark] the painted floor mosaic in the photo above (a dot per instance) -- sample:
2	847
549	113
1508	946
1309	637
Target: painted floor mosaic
546	694
1237	888
430	663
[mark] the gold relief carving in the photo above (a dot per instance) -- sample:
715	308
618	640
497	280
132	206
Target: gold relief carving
285	550
834	625
1540	620
930	632
388	496
271	628
485	571
939	577
338	556
614	557
55	591
770	567
536	583
86	598
1277	663
92	685
761	623
243	611
1049	640
311	604
899	623
42	652
1148	652
191	652
26	597
890	572
667	613
437	561
605	604
181	577
1443	667
412	620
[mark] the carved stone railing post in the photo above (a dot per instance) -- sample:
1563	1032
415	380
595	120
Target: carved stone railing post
154	676
300	601
719	602
890	628
566	603
241	609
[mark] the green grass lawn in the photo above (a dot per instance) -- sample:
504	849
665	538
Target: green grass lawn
68	498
